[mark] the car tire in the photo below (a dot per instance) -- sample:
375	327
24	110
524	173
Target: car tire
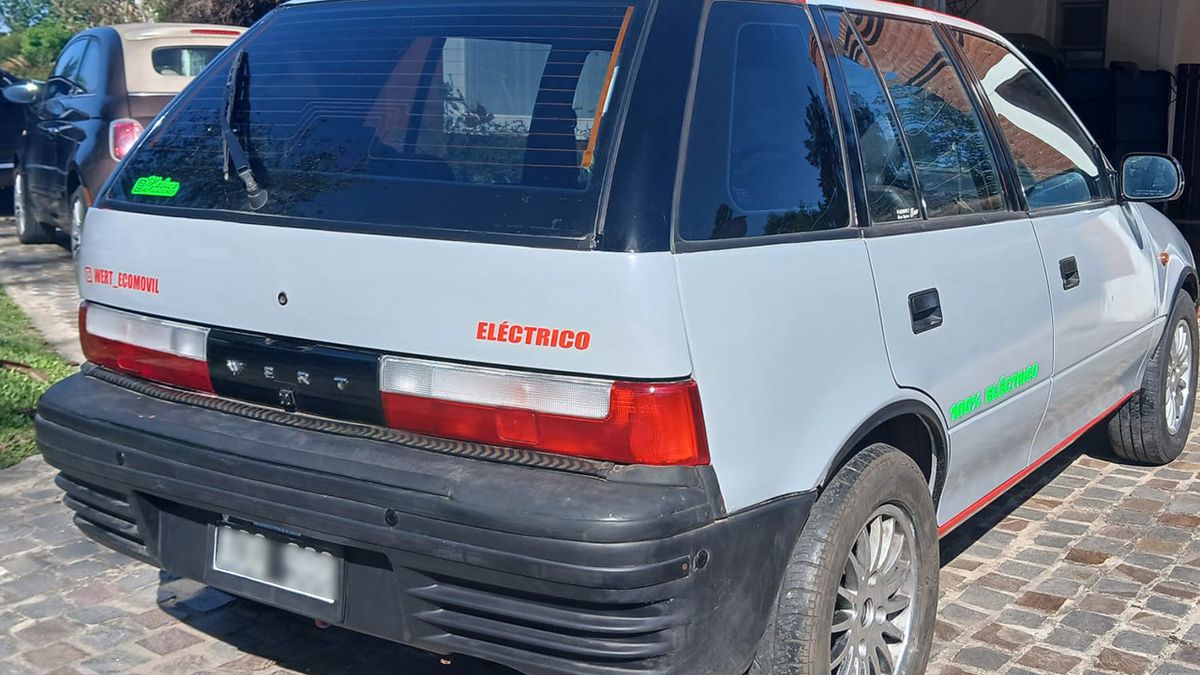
29	230
819	623
1153	426
78	212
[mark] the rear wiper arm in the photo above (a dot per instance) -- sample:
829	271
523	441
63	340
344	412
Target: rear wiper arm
235	154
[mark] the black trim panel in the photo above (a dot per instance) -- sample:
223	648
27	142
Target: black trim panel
946	223
548	572
251	411
533	241
939	437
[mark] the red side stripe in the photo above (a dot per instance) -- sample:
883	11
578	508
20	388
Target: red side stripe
1006	485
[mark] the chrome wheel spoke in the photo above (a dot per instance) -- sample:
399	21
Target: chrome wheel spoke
839	652
895	605
873	612
895	579
886	659
876	666
891	632
842	620
1178	386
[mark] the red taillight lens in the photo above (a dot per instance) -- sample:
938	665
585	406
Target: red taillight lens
122	134
216	31
153	349
657	423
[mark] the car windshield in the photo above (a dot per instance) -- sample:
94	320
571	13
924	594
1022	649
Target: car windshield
394	117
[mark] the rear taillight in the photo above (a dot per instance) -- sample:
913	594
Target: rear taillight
153	349
216	31
625	422
122	134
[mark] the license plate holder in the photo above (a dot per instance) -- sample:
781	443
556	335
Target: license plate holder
278	568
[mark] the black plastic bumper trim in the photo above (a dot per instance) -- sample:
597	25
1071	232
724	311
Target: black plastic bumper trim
550	572
489	453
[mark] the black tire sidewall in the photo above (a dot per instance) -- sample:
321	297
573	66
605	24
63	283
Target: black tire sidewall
1184	310
878	475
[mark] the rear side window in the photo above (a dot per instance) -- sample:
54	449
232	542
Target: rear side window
447	118
887	171
952	155
182	61
764	156
1057	162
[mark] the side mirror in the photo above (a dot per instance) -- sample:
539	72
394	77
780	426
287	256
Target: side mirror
23	93
1151	178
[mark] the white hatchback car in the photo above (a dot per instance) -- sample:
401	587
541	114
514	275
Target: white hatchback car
611	336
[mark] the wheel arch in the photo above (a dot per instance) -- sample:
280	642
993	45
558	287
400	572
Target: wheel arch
74	180
1187	283
910	425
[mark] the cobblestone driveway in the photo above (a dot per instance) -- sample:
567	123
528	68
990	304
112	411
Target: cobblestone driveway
1090	566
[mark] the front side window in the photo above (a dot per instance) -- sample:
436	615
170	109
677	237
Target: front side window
1058	164
91	76
952	155
66	69
764	156
445	119
887	172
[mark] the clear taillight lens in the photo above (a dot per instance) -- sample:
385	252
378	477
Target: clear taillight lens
122	134
625	422
154	349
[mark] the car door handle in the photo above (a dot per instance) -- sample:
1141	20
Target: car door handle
1069	269
925	307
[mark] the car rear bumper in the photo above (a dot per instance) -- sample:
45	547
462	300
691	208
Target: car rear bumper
543	570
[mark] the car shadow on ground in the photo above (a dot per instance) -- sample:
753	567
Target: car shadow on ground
263	635
258	636
1094	444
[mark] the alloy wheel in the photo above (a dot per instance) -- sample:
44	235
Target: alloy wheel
78	214
1179	377
873	615
19	214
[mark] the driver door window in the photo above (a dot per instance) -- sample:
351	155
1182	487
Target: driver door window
952	155
66	70
1057	161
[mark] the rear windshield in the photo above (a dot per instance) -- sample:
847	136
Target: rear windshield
390	116
182	61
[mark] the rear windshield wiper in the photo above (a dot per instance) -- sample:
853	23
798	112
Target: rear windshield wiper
235	154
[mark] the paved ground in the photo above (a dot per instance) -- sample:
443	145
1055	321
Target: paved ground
1091	566
41	280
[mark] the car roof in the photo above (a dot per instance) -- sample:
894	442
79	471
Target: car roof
897	9
879	6
152	31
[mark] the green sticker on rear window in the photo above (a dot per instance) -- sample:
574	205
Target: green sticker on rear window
155	186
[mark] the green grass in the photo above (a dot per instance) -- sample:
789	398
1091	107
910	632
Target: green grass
23	355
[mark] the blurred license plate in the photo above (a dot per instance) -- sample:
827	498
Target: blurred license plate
289	565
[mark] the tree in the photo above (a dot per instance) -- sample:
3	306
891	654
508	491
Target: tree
20	14
41	43
227	12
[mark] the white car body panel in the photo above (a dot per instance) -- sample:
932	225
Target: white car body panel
402	295
789	358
